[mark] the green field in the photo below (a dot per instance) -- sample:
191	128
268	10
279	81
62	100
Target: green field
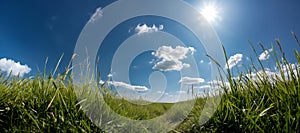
257	103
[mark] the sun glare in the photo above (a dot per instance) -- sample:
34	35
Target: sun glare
210	13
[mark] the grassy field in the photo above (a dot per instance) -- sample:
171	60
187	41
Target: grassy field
254	101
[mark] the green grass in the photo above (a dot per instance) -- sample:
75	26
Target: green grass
49	104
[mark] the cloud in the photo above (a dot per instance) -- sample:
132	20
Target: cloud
181	92
234	60
141	29
265	55
192	49
272	76
214	84
171	58
8	65
125	85
201	61
174	65
129	86
160	92
218	82
191	81
203	87
109	75
97	15
289	68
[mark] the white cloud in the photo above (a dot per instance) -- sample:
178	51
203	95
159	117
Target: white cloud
215	84
8	65
234	60
203	87
181	92
272	76
101	82
268	74
218	82
192	49
171	58
169	53
201	61
97	15
160	92
287	69
109	75
191	81
265	55
174	65
125	85
141	29
129	86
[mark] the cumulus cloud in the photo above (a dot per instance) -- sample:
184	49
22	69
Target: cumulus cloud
97	15
8	65
173	65
141	29
191	81
234	60
171	58
265	55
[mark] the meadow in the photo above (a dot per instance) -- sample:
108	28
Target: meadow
254	100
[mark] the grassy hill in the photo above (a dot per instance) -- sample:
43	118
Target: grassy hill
255	101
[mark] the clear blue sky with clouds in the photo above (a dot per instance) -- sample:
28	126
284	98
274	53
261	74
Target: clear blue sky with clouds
32	30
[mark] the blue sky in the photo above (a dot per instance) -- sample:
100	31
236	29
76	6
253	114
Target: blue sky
31	31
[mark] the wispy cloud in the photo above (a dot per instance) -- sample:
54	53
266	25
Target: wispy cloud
171	58
191	81
129	86
97	15
141	29
125	85
8	65
203	87
215	84
234	60
265	55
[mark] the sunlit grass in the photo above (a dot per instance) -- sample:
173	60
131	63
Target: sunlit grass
261	104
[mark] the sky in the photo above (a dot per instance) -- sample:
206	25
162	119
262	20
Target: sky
32	31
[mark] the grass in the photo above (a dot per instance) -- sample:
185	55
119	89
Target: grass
256	103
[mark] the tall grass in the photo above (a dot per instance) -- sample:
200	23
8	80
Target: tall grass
254	101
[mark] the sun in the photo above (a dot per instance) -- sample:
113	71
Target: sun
210	13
